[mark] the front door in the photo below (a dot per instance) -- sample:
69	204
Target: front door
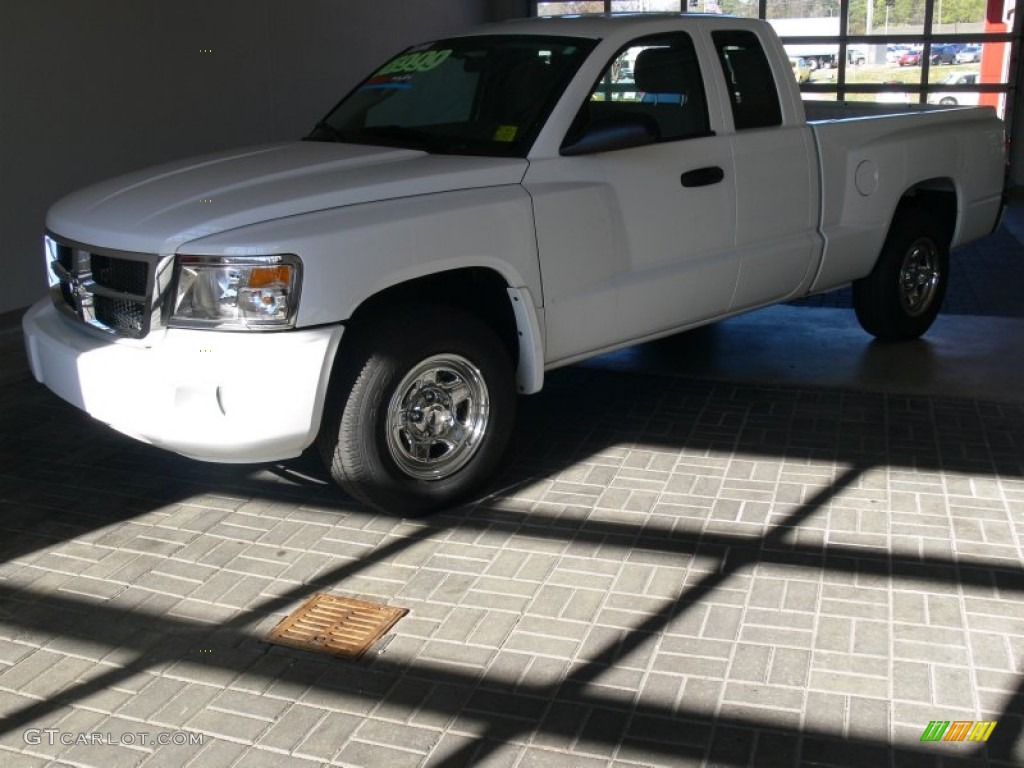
637	242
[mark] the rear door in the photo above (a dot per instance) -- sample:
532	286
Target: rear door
775	164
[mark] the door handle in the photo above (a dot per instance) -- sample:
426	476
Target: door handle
702	177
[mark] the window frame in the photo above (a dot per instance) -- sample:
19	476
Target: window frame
575	128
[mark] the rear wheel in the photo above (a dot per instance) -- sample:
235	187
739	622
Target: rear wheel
421	411
947	101
901	296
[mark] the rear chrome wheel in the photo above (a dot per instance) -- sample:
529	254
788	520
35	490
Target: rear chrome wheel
901	297
920	277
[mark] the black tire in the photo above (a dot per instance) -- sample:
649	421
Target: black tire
900	298
450	424
947	101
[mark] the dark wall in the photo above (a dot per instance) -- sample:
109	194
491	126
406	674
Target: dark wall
93	88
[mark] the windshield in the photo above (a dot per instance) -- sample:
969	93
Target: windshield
472	95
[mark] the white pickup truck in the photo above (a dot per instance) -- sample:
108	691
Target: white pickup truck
478	211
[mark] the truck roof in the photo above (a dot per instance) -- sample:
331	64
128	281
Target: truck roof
599	26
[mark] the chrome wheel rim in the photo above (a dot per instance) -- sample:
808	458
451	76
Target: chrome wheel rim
437	417
919	277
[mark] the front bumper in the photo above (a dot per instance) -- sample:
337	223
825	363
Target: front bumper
232	397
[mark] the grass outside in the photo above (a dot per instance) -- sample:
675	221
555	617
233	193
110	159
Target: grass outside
886	73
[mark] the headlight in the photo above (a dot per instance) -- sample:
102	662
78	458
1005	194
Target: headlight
245	293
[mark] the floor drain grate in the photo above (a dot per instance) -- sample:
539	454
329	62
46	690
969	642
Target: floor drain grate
340	626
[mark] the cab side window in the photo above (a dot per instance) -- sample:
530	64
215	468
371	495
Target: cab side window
748	76
655	79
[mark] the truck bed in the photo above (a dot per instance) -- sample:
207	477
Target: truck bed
820	110
871	155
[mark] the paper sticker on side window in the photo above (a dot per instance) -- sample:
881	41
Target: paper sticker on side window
506	133
423	61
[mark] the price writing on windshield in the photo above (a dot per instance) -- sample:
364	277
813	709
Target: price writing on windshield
423	61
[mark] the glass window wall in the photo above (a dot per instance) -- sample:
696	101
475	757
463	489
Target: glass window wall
905	51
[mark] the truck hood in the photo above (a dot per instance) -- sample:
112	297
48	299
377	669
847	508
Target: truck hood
158	209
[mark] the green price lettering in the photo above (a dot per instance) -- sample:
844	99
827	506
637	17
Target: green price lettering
415	62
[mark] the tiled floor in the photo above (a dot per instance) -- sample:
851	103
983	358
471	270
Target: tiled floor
682	565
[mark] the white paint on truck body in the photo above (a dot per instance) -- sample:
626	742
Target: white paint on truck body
601	251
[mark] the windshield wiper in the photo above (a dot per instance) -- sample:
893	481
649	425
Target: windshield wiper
429	142
325	127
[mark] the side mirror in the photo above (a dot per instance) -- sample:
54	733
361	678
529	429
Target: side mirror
621	132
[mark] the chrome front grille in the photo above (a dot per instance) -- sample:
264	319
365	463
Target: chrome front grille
109	290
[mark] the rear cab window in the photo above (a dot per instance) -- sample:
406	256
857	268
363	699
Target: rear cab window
753	94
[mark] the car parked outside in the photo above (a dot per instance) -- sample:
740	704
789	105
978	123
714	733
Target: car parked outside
893	53
968	54
955	98
910	59
801	68
944	54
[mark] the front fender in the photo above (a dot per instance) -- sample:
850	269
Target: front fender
353	253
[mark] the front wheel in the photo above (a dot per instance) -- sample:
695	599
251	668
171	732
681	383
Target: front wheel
421	411
901	296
